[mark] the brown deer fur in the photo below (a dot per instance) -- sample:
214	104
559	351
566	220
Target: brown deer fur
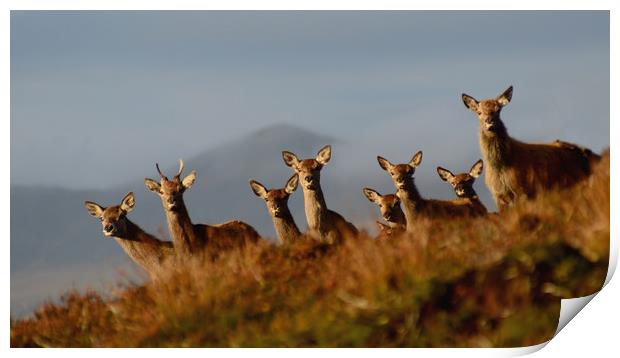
189	238
144	249
389	206
415	207
325	224
463	185
277	205
516	169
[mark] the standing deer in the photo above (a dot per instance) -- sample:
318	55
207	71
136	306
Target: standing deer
414	205
143	248
277	205
190	238
327	225
389	205
463	185
517	169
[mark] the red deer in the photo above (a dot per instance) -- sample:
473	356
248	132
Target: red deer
143	248
389	206
463	185
414	205
324	224
277	205
516	169
190	238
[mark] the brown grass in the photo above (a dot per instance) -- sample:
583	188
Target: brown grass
491	281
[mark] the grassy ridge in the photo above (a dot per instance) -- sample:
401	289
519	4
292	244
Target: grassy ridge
493	281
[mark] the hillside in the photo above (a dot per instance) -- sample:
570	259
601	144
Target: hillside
61	240
493	281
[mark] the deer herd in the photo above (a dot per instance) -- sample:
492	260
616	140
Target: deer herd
514	170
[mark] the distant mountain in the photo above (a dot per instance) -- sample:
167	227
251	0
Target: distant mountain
52	233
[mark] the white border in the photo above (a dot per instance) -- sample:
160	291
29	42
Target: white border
594	330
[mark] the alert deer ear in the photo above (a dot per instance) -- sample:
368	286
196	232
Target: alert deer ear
290	159
94	209
291	184
189	180
128	202
476	169
152	185
258	189
470	102
416	160
383	228
324	155
504	98
371	194
445	174
384	163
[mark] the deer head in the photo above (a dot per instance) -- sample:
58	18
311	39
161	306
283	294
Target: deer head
113	219
309	170
463	184
388	204
488	110
171	191
276	199
401	173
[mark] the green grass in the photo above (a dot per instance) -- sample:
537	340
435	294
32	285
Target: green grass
494	281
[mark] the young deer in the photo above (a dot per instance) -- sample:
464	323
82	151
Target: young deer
144	249
516	169
277	205
463	185
389	205
189	238
386	231
328	225
415	207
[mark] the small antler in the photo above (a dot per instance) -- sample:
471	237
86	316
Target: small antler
181	166
159	171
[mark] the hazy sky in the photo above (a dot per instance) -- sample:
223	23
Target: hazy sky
98	97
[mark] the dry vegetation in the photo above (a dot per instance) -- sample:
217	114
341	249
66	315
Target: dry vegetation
493	281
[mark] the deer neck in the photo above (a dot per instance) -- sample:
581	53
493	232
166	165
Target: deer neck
316	209
411	200
495	146
285	227
140	246
181	228
397	220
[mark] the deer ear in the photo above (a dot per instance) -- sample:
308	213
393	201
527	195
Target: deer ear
258	189
128	202
504	98
382	227
372	195
291	184
470	102
384	163
476	169
152	185
416	160
324	155
445	174
290	159
189	180
94	209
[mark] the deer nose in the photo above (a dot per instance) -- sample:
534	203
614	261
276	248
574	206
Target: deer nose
108	227
308	179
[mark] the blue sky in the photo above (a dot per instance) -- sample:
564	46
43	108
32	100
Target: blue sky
97	97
